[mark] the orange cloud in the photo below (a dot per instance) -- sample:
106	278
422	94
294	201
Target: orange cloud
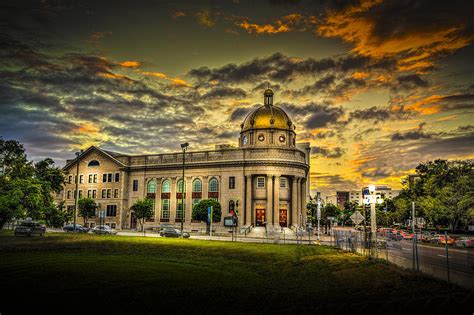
415	50
174	81
130	64
206	18
291	22
111	75
177	14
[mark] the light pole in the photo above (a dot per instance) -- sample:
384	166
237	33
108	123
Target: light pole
318	215
372	200
77	188
183	146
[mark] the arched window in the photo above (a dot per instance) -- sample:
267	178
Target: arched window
197	185
179	186
231	206
93	163
166	187
151	188
213	185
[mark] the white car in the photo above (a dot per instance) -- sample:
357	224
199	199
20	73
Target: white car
104	229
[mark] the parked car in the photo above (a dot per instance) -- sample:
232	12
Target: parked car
407	235
79	228
441	240
172	232
426	237
464	242
29	228
395	236
104	229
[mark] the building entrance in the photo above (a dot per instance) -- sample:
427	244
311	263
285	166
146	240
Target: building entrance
260	217
283	218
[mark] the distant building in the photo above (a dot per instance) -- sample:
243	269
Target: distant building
341	198
357	196
384	192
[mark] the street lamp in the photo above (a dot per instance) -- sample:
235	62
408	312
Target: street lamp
372	200
77	187
183	146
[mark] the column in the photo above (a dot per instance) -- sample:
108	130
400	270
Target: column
248	201
158	200
298	201
294	220
303	200
205	187
188	200
268	211
173	200
276	201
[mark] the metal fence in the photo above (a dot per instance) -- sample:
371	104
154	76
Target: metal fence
445	262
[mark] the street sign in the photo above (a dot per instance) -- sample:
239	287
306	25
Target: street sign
357	217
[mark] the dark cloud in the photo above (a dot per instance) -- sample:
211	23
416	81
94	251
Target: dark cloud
313	115
412	135
334	153
359	136
409	82
225	92
379	114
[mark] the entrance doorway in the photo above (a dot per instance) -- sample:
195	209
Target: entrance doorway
283	218
260	217
133	221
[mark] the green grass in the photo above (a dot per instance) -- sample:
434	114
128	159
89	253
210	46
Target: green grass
149	275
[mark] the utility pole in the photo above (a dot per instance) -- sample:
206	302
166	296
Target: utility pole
76	203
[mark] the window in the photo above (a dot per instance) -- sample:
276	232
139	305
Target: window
81	179
179	186
68	194
179	208
109	193
95	178
165	209
104	192
104	178
197	185
282	182
111	210
166	187
232	182
93	163
117	177
80	193
151	187
89	193
213	185
75	179
109	177
231	206
135	185
90	179
94	193
116	193
260	182
70	179
113	225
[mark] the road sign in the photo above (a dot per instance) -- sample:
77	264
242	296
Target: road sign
357	217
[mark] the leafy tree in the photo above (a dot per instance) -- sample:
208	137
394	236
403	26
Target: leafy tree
87	208
56	215
200	211
349	208
143	210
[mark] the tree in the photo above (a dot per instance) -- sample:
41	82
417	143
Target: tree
56	215
143	210
87	208
200	211
327	211
349	208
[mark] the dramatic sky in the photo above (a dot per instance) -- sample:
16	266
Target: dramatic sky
375	86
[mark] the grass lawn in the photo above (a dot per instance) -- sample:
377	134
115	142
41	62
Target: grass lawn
149	275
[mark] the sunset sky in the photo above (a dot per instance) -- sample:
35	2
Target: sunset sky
375	86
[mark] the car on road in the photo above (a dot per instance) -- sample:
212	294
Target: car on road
79	228
439	239
426	237
172	232
29	228
464	242
104	229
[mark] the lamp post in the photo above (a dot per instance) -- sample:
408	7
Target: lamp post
183	146
372	200
77	188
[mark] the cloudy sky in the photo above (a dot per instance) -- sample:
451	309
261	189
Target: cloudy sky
375	86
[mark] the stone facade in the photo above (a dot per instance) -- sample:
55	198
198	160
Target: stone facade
265	181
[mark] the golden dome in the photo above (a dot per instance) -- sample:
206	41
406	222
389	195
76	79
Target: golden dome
266	117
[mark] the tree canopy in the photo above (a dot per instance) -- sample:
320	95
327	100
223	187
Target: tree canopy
143	209
200	210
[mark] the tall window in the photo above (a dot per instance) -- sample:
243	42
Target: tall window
232	182
260	182
116	193
197	185
213	185
282	182
111	210
179	208
69	179
135	185
165	209
180	187
81	179
166	187
151	188
117	177
90	179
